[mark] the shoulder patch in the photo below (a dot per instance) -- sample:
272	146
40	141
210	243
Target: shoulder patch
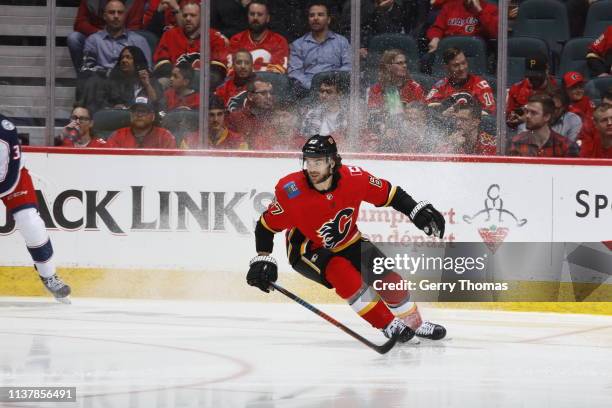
354	170
375	182
292	189
8	125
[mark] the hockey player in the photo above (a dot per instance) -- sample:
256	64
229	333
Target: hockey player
319	207
18	195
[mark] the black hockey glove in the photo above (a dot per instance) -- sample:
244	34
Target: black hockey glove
428	219
262	271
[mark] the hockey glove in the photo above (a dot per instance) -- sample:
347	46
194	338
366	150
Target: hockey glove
262	271
428	219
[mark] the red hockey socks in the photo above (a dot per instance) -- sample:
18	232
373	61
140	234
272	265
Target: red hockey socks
399	302
348	284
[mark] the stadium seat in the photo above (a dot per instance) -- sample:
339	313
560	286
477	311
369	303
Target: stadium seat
151	38
181	121
599	17
573	57
426	81
380	43
519	49
280	85
106	121
546	19
489	124
596	87
474	48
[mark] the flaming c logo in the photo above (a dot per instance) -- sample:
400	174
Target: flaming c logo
335	230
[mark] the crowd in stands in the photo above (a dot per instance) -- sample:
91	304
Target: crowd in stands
279	73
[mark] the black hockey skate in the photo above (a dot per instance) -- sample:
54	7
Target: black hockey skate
57	288
431	331
398	327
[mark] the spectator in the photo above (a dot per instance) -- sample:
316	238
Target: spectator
580	104
253	121
386	16
101	51
233	91
599	56
185	41
181	94
142	132
394	86
467	137
270	50
539	140
320	50
90	20
463	17
536	81
161	16
129	78
79	131
460	79
330	115
562	121
416	131
285	136
229	16
219	136
577	11
602	143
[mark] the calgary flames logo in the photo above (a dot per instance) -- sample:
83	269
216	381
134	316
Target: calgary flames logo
335	230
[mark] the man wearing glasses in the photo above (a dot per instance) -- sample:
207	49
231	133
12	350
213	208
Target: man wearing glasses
254	120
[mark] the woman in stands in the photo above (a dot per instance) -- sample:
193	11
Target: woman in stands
395	87
129	79
79	131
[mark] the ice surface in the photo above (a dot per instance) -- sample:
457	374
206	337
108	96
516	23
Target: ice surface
158	354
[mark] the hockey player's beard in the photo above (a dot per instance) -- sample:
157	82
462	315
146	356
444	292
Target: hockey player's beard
320	179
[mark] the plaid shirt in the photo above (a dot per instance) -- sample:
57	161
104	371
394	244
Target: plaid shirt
524	144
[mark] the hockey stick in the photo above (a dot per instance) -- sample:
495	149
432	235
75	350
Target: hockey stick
382	349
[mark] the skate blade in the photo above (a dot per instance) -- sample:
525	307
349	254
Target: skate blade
415	341
65	300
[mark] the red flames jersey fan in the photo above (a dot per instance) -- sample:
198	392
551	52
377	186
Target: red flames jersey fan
271	53
476	86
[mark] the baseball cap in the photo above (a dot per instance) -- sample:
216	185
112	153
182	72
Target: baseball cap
572	78
535	65
144	102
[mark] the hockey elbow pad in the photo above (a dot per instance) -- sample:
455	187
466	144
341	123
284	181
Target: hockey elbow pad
264	238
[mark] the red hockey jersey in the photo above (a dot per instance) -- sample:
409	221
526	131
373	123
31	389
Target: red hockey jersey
174	100
271	53
95	142
476	86
173	44
602	45
411	91
456	19
157	138
520	92
584	107
234	97
327	219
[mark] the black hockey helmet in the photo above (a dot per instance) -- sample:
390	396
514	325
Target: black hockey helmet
320	146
